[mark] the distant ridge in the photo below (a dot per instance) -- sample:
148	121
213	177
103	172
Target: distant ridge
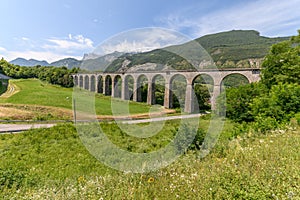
67	62
237	45
29	63
231	49
236	48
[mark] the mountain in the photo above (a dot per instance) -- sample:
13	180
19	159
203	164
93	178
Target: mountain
67	62
237	45
93	62
237	48
29	63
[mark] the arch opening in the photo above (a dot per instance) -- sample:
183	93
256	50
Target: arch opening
142	88
93	84
108	85
81	81
233	80
117	86
100	84
128	92
158	90
75	80
203	86
86	82
178	86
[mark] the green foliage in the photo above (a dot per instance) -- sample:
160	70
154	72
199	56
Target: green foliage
281	103
276	99
185	136
54	75
282	64
53	164
203	97
3	86
234	80
297	116
239	100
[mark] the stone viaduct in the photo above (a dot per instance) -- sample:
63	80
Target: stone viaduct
117	84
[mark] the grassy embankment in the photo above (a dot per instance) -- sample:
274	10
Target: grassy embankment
53	164
38	100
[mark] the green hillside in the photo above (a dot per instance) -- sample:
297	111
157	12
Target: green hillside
36	93
237	45
227	49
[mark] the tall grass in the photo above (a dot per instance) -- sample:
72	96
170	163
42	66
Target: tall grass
53	164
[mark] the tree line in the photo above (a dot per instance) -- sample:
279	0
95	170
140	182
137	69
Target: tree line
54	75
273	101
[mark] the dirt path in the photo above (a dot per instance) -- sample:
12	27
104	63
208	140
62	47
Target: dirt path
11	90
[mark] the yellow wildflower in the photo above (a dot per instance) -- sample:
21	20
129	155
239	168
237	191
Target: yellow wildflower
151	180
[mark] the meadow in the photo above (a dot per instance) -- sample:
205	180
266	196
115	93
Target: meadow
54	164
34	99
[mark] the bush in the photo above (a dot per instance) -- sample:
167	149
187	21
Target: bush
188	139
297	117
239	100
263	124
281	103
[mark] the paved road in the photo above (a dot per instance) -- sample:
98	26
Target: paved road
12	128
161	119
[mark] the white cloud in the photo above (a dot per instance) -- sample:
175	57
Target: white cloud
273	17
77	42
51	49
141	40
2	49
25	38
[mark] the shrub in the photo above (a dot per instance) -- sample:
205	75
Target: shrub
189	139
297	117
281	103
239	100
263	124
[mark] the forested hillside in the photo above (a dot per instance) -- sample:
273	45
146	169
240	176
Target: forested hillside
237	45
231	49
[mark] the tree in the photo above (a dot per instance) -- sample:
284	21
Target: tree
238	101
277	97
53	75
281	103
282	64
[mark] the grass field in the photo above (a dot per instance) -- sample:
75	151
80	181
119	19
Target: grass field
37	93
53	164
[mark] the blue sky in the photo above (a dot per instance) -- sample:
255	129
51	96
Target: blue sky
54	29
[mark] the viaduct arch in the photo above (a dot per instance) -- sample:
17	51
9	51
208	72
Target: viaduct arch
127	86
